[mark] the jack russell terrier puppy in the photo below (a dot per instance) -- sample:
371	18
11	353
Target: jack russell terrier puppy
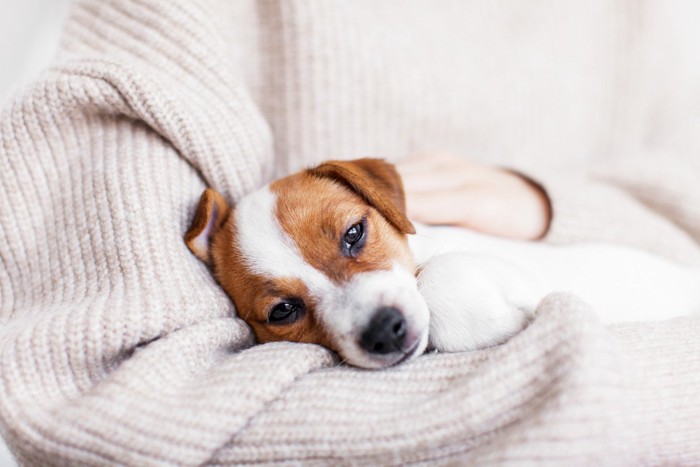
324	256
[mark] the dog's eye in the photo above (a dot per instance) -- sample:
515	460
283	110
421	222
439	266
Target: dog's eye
354	239
354	234
286	312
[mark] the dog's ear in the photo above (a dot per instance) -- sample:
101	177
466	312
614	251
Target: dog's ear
377	182
211	214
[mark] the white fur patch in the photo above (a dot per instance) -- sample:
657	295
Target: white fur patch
352	305
267	248
475	301
620	283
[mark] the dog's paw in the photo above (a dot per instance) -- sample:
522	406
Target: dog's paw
475	301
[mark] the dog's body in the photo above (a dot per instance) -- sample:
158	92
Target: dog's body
620	283
322	256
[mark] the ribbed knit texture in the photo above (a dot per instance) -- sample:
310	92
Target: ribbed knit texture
116	345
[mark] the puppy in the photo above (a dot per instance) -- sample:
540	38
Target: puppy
323	256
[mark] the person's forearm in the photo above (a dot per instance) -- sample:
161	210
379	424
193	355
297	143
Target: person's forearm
642	206
444	189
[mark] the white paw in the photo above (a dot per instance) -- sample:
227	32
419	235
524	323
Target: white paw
475	301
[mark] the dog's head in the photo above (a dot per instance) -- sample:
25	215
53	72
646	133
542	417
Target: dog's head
320	256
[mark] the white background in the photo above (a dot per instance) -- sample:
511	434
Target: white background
29	35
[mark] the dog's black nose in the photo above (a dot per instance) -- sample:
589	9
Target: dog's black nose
385	333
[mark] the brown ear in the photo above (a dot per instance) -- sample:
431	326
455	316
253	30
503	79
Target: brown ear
377	182
212	211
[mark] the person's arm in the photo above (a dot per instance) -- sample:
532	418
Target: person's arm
444	189
638	202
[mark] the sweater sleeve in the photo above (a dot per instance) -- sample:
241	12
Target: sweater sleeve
109	327
645	202
642	190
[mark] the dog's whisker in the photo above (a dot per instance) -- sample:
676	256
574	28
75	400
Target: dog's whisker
341	362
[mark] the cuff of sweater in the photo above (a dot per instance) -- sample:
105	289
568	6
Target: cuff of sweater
588	210
575	213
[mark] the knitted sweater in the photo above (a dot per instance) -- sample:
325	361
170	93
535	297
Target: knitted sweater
117	346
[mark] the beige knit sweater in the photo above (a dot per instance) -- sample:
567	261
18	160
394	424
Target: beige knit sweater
117	347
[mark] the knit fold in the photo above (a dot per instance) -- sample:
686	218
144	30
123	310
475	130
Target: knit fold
447	408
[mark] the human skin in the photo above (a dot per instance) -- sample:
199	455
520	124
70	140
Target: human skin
444	189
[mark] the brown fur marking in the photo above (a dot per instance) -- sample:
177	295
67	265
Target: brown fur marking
377	182
254	295
316	213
